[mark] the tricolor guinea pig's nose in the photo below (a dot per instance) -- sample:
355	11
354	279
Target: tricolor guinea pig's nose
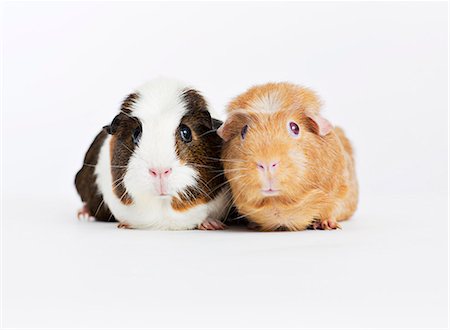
160	172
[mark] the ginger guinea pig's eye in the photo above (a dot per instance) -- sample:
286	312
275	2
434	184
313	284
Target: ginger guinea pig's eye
293	129
244	131
137	134
185	133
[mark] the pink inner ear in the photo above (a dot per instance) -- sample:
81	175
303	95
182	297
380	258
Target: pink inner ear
220	131
323	125
228	129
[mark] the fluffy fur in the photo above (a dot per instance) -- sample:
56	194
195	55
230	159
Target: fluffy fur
312	174
122	171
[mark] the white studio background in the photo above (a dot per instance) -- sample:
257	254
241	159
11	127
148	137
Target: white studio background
382	72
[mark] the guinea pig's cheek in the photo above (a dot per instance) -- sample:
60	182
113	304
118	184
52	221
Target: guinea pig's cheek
137	179
182	177
297	159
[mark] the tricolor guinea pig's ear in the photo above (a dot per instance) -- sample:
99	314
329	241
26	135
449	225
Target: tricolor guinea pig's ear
233	125
216	123
112	128
321	125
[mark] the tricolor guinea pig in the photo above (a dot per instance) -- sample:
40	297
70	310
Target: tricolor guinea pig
288	168
157	165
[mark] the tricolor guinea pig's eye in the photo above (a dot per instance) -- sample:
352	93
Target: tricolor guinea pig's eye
244	131
185	133
137	134
293	128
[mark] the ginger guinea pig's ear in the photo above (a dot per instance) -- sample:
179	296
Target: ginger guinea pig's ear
233	125
320	125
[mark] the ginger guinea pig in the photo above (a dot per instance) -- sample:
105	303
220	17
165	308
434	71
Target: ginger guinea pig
157	165
288	168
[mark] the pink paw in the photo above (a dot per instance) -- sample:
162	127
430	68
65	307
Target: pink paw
326	225
211	224
84	214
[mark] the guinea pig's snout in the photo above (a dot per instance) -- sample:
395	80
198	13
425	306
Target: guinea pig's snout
160	172
160	175
267	170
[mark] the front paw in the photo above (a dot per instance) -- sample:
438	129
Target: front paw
327	224
84	214
211	224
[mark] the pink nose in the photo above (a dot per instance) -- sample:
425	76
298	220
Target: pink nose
161	172
268	166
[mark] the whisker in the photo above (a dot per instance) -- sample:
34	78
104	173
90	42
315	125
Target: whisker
226	160
207	132
114	166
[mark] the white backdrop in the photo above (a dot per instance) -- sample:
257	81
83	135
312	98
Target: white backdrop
382	71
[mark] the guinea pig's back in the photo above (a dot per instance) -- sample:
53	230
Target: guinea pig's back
345	141
350	201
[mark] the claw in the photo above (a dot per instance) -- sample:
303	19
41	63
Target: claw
124	225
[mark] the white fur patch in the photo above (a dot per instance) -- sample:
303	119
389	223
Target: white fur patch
219	207
269	102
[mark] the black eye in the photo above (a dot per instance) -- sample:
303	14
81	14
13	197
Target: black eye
244	131
293	128
137	134
185	133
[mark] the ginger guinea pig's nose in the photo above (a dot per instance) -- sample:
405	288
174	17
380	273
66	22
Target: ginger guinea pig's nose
268	166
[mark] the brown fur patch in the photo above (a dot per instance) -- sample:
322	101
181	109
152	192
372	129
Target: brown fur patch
184	205
129	102
203	152
119	156
86	185
122	146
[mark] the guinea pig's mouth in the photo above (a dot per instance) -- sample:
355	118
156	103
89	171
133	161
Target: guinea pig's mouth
270	192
